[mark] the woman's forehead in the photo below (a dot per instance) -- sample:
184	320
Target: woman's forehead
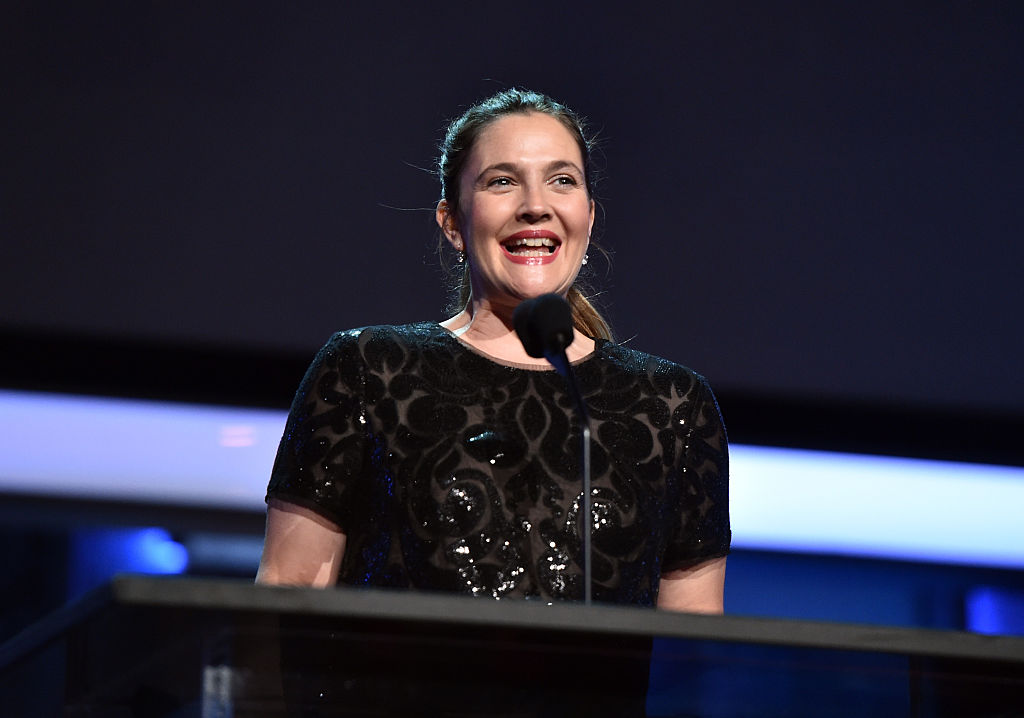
525	137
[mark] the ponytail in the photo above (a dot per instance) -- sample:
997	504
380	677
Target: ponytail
585	316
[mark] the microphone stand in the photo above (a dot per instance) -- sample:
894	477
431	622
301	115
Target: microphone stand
544	326
561	363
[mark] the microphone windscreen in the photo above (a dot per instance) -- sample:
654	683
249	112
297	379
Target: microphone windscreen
544	325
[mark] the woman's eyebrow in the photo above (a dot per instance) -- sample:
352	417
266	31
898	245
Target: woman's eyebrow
552	166
564	164
497	167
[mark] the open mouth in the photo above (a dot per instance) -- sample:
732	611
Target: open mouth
531	247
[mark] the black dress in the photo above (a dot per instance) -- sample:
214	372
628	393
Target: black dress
448	470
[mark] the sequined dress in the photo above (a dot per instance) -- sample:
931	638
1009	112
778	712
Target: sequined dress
449	470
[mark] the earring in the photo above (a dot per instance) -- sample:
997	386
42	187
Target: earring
460	257
586	258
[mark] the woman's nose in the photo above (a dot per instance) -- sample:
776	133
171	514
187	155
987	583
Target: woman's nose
534	206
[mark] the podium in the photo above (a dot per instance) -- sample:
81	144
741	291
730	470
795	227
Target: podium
172	647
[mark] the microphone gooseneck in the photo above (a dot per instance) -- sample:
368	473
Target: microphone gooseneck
544	326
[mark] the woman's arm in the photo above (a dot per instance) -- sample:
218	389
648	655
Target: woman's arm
301	547
697	589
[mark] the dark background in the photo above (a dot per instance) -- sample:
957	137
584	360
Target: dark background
810	201
817	205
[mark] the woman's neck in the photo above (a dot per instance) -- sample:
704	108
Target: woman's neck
492	333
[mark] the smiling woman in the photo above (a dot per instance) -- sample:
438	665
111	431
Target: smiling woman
523	219
440	455
456	150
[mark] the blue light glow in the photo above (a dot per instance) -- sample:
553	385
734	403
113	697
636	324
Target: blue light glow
129	450
99	554
994	611
825	502
781	499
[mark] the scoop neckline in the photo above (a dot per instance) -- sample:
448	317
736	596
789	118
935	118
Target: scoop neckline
518	365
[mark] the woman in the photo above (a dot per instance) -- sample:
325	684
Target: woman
442	456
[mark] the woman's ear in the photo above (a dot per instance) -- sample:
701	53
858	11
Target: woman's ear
449	227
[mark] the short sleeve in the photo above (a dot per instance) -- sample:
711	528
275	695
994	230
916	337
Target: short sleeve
321	458
703	531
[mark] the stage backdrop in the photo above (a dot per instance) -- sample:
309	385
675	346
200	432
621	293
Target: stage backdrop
802	198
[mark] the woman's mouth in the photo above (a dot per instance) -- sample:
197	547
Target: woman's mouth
531	248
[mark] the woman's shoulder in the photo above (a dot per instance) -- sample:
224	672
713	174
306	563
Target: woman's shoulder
660	371
409	334
631	359
380	346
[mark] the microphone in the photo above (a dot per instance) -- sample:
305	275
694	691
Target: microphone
544	326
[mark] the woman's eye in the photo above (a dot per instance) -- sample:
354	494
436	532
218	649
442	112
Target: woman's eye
565	180
499	182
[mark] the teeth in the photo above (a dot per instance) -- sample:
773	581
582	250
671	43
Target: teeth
533	253
532	242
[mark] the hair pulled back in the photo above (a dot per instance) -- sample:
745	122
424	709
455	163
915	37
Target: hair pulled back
459	140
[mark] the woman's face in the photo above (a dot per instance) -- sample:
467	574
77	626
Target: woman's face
525	216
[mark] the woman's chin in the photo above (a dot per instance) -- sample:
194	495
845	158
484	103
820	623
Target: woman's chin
535	291
512	293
